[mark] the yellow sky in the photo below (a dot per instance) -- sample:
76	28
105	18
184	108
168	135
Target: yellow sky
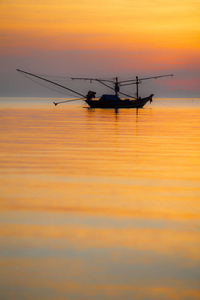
116	35
129	24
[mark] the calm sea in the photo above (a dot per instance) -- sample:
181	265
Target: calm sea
99	205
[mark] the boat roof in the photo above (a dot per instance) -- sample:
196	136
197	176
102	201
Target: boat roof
110	98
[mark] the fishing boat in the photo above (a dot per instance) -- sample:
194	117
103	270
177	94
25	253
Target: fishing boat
113	101
107	100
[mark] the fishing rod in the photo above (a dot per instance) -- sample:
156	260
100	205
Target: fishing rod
50	81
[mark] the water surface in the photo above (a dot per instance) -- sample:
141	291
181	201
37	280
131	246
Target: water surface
99	205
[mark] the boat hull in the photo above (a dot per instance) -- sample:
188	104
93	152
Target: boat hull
138	103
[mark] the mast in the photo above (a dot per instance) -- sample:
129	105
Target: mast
137	82
116	82
116	87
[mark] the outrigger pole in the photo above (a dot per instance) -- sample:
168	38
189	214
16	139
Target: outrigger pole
56	103
102	81
118	84
137	81
62	86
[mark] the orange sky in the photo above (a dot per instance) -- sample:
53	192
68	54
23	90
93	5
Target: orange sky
122	36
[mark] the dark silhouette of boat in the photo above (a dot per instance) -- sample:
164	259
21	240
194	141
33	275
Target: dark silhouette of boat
107	100
113	101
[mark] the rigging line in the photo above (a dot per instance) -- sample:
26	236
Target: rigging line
127	95
80	106
77	99
114	89
54	90
130	80
105	84
163	103
51	82
130	83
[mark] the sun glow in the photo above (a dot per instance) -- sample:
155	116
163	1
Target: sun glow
117	36
109	24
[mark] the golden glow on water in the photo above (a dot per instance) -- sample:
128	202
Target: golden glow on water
98	205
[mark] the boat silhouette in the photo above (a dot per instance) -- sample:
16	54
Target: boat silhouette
107	100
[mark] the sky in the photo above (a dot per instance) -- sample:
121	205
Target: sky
97	38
